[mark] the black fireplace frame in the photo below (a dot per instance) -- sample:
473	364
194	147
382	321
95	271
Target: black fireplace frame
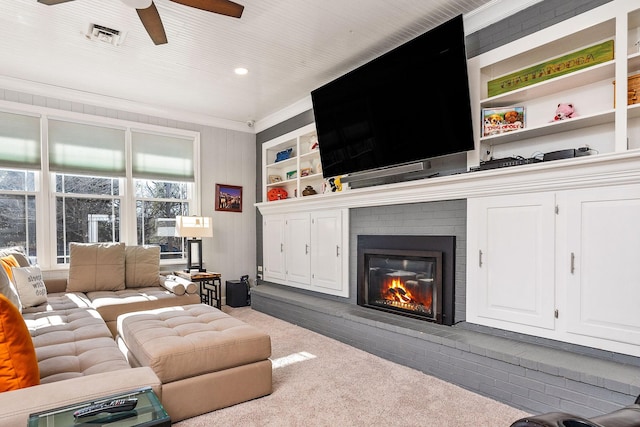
437	283
412	243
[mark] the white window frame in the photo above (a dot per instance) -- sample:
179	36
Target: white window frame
45	184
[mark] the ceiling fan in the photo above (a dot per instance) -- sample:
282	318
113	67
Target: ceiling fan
151	18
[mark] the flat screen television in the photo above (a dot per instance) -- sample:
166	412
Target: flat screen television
410	104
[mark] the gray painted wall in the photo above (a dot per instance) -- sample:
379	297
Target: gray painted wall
446	218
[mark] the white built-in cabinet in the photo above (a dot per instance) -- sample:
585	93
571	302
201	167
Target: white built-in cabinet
561	265
307	250
514	259
273	254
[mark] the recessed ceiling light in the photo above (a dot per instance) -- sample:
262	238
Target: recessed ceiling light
241	71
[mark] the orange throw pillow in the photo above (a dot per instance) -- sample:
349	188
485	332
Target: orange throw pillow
18	362
8	262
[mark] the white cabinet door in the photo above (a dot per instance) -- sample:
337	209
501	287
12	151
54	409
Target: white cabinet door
602	263
273	247
327	250
511	241
298	248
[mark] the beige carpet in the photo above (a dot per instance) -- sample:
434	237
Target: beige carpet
318	381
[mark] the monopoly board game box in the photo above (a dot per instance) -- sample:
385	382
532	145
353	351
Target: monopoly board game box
501	120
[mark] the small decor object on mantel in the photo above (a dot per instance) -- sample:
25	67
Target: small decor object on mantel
556	67
500	120
313	143
284	154
309	191
564	111
277	193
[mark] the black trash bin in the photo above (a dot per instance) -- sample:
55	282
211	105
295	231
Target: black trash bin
237	293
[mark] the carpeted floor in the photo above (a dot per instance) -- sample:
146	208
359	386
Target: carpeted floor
318	381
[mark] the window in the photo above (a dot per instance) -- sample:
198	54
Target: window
157	205
99	181
19	162
87	211
18	210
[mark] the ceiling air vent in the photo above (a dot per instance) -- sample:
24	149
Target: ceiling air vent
105	34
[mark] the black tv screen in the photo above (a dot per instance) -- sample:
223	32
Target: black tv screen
410	104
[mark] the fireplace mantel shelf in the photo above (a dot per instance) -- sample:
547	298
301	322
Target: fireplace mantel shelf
583	172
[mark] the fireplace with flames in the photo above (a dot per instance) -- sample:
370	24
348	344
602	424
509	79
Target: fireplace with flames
412	281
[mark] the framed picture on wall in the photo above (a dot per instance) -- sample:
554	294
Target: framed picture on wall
228	198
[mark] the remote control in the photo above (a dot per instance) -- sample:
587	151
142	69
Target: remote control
117	405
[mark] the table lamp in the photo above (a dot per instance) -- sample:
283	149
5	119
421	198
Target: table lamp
194	228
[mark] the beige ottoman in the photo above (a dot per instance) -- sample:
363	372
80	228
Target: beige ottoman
205	359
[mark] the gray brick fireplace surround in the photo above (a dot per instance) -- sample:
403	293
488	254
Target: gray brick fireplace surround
526	372
530	373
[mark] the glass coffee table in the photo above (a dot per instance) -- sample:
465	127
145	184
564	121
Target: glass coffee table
148	412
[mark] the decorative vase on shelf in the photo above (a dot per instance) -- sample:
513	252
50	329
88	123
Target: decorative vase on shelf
308	191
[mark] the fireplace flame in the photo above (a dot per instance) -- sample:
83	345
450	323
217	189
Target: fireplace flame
397	292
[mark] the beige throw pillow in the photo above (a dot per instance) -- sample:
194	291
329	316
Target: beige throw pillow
8	289
31	287
96	267
142	266
18	253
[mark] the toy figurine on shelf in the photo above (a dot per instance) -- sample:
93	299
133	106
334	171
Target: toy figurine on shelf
564	111
313	143
277	193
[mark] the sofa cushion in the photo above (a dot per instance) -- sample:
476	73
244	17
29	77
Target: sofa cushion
65	326
18	363
59	301
31	288
112	304
8	289
8	262
96	267
142	266
187	341
18	253
79	358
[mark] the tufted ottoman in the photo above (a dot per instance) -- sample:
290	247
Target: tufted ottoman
205	359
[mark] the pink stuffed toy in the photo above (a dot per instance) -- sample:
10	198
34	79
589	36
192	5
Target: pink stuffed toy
564	111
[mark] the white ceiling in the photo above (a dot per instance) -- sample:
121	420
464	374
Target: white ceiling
289	46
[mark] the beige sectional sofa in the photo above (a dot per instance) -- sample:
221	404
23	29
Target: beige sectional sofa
73	331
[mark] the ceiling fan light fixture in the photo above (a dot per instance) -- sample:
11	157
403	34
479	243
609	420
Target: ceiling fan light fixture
138	4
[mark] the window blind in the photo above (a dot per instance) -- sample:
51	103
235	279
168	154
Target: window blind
86	149
162	157
19	141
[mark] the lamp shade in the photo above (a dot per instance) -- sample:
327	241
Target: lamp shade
194	226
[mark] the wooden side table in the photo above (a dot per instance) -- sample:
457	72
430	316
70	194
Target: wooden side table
210	285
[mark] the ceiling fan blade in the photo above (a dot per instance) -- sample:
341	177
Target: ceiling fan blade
52	2
222	7
153	24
